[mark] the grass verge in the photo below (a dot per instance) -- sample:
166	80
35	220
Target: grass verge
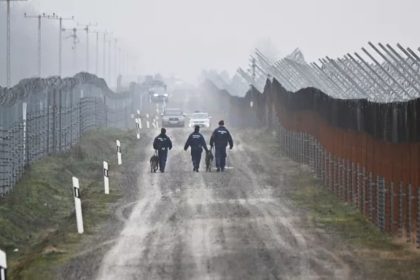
37	220
376	253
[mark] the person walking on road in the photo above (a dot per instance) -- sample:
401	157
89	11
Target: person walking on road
162	144
197	142
220	139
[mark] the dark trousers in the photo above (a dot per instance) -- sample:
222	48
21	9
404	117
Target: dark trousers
163	155
196	157
220	155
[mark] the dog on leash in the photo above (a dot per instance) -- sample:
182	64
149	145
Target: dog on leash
154	163
209	160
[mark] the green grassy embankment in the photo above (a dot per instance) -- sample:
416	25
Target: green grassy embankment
37	220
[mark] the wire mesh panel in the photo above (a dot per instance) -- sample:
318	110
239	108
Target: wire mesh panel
40	117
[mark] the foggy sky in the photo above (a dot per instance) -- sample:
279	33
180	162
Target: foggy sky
183	37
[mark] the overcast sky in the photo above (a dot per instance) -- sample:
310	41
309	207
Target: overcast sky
185	36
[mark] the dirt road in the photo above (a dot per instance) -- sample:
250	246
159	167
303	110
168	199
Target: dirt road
232	225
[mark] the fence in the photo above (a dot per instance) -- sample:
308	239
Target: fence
367	153
40	117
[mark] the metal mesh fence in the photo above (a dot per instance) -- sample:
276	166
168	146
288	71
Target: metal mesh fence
366	153
40	117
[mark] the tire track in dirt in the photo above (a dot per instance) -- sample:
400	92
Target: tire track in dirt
215	226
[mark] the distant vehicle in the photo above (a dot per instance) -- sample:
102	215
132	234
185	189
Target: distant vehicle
173	117
200	118
158	91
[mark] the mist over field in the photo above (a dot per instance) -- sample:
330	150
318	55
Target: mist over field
182	38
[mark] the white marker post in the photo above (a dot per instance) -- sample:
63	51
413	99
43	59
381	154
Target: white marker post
157	122
139	119
147	121
119	158
106	177
138	127
78	205
3	265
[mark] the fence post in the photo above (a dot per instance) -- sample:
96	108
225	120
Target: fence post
418	219
392	207
24	117
358	199
381	203
371	184
78	205
60	97
401	210
54	121
410	212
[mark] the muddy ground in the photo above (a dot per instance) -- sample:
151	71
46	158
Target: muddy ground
234	225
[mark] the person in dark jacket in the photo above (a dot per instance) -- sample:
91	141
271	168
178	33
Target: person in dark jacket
197	143
162	144
220	139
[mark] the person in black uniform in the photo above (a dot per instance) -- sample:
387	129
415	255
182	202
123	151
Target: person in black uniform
220	139
197	142
162	144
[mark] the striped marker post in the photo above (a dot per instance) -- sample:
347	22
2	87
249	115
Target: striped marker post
139	118
147	121
78	205
138	127
119	157
3	265
106	178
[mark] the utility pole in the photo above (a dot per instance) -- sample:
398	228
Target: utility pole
39	17
104	56
60	39
119	61
115	58
97	53
8	39
109	61
87	30
75	42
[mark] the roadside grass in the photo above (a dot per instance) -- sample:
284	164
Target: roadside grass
377	253
37	220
